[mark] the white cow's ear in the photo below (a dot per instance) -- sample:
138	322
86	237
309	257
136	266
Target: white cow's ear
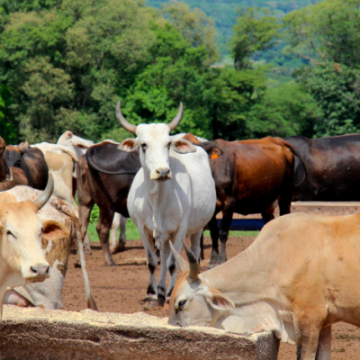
129	145
52	230
183	146
218	300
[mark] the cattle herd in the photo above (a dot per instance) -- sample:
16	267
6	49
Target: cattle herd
297	278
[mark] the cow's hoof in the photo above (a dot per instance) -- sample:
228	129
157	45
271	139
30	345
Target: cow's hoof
150	303
112	263
87	251
119	248
210	266
77	264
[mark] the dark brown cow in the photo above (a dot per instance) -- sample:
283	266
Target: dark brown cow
31	161
333	168
9	176
104	177
251	176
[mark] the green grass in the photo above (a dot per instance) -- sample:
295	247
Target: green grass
132	232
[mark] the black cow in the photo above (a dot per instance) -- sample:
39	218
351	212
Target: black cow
333	168
104	177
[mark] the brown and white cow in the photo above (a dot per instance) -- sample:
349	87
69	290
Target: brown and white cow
57	218
299	277
22	259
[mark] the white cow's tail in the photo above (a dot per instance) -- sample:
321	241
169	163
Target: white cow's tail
89	299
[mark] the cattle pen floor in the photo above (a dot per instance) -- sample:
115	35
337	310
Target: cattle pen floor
122	288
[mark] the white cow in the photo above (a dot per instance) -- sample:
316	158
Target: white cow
22	259
172	196
79	146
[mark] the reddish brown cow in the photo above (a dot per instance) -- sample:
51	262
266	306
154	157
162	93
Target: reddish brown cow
31	161
9	176
251	176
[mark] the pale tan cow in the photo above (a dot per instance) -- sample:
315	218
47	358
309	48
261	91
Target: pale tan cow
60	161
48	294
300	276
22	259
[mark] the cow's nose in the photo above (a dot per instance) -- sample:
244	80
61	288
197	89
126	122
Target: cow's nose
40	271
163	172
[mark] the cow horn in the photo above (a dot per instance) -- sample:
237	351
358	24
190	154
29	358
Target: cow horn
42	200
175	123
194	265
183	264
123	122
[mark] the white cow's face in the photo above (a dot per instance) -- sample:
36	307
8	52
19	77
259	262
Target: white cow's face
194	303
20	241
155	143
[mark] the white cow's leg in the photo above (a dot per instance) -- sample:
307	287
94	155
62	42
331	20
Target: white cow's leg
87	244
114	226
324	349
170	264
152	260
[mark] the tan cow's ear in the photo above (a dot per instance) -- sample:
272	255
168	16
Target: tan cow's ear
52	230
24	146
218	300
183	146
129	145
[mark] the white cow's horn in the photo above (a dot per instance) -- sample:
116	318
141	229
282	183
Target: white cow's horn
175	123
183	264
42	200
194	265
123	122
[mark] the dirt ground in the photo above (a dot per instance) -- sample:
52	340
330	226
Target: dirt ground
122	288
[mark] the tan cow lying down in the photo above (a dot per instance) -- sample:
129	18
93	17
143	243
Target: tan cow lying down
22	259
300	276
57	218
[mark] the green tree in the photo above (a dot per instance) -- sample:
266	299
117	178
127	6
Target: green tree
328	31
279	115
255	30
66	67
336	89
195	27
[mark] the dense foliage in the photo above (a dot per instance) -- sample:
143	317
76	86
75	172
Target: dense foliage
64	64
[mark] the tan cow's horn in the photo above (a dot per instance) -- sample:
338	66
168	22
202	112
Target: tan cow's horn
183	264
194	265
123	122
42	200
175	123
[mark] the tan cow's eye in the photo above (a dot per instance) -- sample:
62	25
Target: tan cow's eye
181	304
10	233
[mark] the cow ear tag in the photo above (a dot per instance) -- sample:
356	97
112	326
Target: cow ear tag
214	156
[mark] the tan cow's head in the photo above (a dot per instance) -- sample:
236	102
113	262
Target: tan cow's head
155	143
193	301
21	231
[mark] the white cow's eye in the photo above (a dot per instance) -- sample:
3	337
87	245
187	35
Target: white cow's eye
143	146
168	145
181	304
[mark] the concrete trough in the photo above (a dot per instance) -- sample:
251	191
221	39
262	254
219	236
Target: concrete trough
33	333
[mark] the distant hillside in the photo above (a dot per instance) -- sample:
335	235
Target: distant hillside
224	12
